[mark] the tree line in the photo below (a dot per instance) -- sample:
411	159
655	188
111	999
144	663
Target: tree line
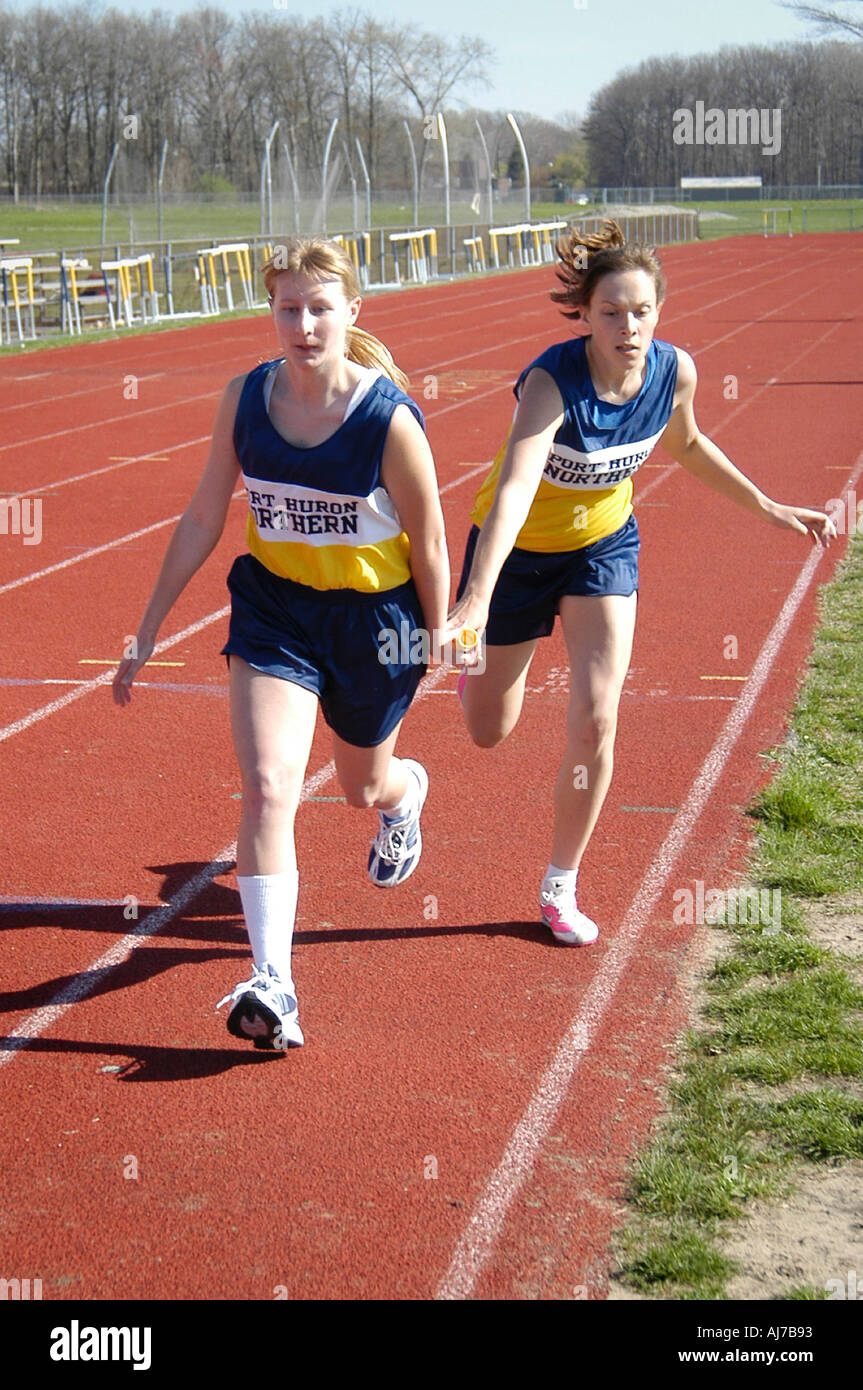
75	81
672	117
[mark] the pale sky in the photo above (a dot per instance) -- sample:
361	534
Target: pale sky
553	54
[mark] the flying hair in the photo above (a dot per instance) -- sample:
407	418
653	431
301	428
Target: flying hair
322	259
586	257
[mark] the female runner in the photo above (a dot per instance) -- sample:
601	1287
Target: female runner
345	543
554	530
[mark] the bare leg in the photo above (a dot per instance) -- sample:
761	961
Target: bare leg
273	722
371	776
492	701
598	633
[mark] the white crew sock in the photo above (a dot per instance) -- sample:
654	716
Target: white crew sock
569	876
408	801
270	907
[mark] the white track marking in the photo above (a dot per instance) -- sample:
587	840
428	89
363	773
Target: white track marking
477	1244
97	550
86	686
109	468
89	979
131	418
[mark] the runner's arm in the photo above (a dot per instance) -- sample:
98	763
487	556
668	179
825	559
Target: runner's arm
537	420
195	536
702	458
408	474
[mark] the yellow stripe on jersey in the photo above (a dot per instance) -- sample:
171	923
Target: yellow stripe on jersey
369	568
560	518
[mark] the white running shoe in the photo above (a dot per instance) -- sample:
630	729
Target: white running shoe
397	847
264	1011
568	925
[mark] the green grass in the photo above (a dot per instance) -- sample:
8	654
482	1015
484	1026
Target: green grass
780	1009
75	228
48	225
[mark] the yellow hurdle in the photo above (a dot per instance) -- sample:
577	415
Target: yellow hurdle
525	243
16	275
70	301
207	259
421	248
475	253
358	246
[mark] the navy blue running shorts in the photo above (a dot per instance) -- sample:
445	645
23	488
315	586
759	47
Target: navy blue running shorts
527	595
329	641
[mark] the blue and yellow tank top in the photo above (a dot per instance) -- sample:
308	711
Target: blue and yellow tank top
585	492
321	516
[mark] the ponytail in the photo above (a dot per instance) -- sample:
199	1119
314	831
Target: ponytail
586	257
369	351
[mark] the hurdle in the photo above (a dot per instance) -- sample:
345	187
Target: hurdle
475	252
124	269
358	246
16	274
767	212
70	293
525	243
421	252
208	258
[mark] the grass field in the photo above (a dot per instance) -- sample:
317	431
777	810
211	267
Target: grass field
75	229
770	1079
54	225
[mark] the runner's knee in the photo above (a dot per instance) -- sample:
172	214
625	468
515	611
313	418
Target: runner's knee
270	789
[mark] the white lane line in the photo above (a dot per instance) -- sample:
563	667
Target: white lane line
97	550
130	418
89	979
106	678
477	1243
109	468
159	525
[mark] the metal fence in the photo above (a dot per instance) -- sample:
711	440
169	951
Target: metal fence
71	288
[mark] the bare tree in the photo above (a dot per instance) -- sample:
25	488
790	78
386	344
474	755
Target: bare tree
829	21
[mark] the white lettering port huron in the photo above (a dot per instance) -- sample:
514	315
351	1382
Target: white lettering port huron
600	468
76	1343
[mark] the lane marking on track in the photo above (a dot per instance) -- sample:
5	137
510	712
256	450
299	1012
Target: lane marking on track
476	1245
131	418
90	978
96	550
84	687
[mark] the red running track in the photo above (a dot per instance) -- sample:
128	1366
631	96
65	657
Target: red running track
460	1120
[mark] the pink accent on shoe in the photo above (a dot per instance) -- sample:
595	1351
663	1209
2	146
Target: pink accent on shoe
572	928
461	684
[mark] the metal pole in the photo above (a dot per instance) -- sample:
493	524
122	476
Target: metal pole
354	205
517	134
416	221
368	184
445	151
270	139
488	171
295	196
159	186
105	190
324	175
267	185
